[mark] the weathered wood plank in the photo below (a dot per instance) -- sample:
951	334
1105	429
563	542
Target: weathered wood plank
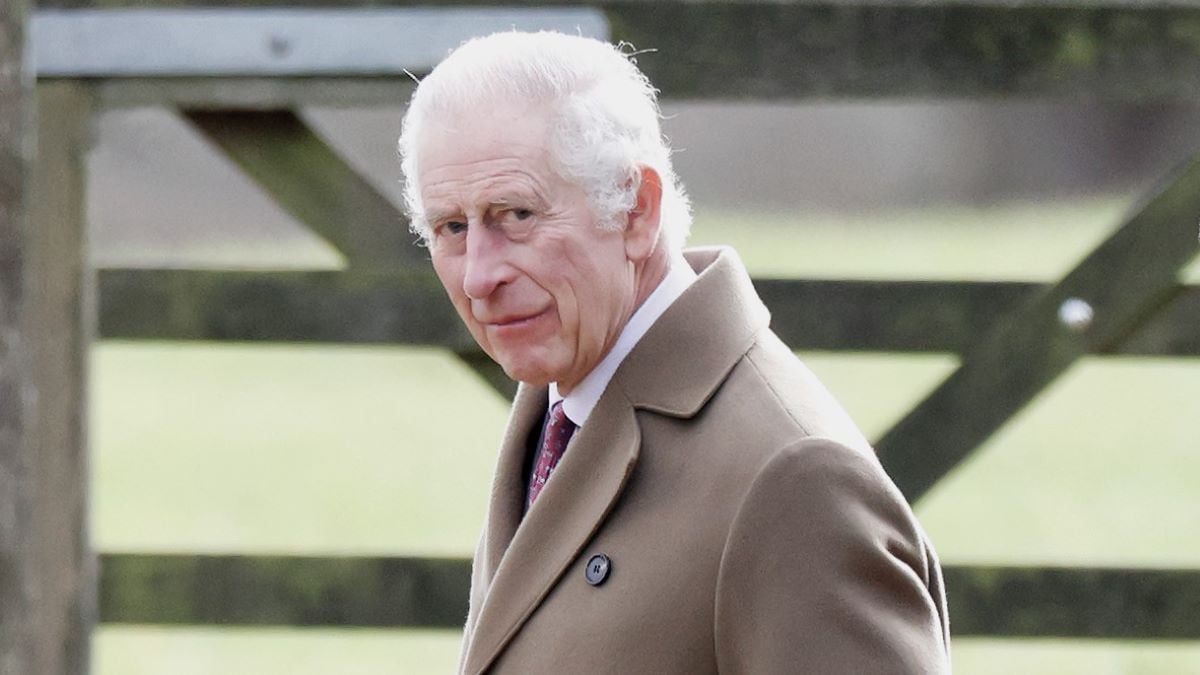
1128	278
1173	331
432	593
920	316
58	325
313	183
1115	49
18	573
283	590
253	93
46	569
343	307
937	316
834	49
1074	602
278	306
281	42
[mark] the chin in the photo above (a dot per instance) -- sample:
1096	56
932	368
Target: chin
534	379
527	373
529	363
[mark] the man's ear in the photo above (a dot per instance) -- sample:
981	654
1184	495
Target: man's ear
643	225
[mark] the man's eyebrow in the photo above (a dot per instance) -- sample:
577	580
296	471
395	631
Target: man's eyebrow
523	199
436	214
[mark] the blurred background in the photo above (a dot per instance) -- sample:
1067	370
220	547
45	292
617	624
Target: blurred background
305	448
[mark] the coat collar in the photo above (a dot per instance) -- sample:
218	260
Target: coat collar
716	320
713	323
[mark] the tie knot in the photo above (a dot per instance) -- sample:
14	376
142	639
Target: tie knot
558	418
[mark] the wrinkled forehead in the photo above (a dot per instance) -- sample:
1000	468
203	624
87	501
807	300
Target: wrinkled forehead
467	136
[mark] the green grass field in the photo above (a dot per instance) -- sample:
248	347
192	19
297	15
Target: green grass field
335	449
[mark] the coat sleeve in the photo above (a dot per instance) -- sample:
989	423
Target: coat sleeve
826	570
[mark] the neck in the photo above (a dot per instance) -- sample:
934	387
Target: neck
651	274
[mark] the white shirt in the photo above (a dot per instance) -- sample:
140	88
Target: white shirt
579	403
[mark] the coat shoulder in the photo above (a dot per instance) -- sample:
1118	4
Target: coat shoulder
787	396
767	402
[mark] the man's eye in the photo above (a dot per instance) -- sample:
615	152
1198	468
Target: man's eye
454	227
522	214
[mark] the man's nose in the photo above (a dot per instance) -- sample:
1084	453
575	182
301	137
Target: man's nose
486	267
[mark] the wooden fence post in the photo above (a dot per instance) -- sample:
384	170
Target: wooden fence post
16	568
47	571
57	322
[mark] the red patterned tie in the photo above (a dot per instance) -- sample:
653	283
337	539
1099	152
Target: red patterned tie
554	442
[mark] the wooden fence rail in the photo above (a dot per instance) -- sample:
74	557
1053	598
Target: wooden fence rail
432	593
844	315
769	49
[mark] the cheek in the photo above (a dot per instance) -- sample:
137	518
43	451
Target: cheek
596	275
590	303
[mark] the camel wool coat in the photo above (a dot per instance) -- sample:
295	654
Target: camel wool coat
748	526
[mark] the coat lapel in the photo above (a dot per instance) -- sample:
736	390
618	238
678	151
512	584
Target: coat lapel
508	485
582	491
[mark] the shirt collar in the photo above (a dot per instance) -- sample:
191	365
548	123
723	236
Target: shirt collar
579	403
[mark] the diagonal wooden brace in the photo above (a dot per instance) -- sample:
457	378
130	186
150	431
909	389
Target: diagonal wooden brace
279	151
313	183
1094	308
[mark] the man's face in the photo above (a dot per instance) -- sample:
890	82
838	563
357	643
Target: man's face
542	288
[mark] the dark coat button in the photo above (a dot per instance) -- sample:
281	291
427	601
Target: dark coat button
597	570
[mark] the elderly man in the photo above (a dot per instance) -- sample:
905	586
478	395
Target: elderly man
675	491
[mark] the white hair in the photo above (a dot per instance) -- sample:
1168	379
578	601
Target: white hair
605	118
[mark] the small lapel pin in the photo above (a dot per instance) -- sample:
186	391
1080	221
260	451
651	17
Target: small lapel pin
598	567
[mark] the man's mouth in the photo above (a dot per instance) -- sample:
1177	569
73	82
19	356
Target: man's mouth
513	320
